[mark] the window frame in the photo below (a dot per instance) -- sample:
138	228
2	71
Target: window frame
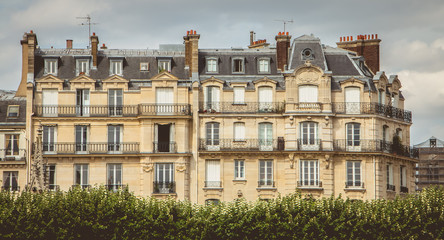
239	169
144	66
160	63
84	175
82	145
118	69
238	98
307	57
259	69
212	130
239	135
313	172
216	65
51	66
13	180
79	62
311	136
12	141
115	144
390	180
353	139
354	181
112	173
51	138
52	185
10	110
266	168
242	65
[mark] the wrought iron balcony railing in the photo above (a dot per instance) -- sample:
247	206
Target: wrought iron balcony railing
144	109
164	187
229	144
366	145
164	147
310	183
11	188
244	107
82	186
265	183
114	187
90	148
372	108
53	187
391	187
213	184
12	154
404	189
354	184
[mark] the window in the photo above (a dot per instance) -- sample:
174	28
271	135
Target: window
212	135
399	133
82	102
13	111
403	177
81	138
51	66
212	202
307	54
116	67
49	137
164	136
239	131
212	173
49	102
381	97
165	101
352	100
212	65
353	136
115	102
164	65
309	136
114	137
82	66
266	173
353	174
12	144
144	67
212	98
390	185
265	137
52	177
308	94
10	181
238	65
239	169
81	175
385	133
264	65
238	95
164	178
395	100
114	180
265	99
309	173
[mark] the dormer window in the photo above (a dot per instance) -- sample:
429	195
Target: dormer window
212	65
144	67
238	65
13	111
82	66
307	54
164	65
116	67
264	65
51	66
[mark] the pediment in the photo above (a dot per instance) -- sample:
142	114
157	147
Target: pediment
212	79
49	79
265	80
164	76
307	67
352	80
308	74
115	79
82	79
381	79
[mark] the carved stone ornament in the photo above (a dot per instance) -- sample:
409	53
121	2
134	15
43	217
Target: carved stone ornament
291	157
148	167
308	76
181	166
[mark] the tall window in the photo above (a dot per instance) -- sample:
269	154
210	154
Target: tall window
81	175
52	177
12	144
114	180
114	137
239	169
238	65
390	185
165	101
239	131
82	102
264	65
81	138
49	138
212	173
116	67
309	173
212	98
49	102
403	178
395	100
381	96
385	138
10	180
212	135
265	136
353	174
308	94
164	182
309	136
238	95
82	66
352	100
115	102
212	65
51	66
266	173
265	99
353	136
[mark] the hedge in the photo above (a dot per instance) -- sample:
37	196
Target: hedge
100	214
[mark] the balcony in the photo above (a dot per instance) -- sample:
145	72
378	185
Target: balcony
213	184
308	107
164	187
246	107
90	148
265	184
372	108
7	155
164	147
111	111
404	189
229	144
309	184
114	187
354	185
82	186
365	145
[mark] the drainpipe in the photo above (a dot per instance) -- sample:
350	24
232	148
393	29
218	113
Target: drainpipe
374	171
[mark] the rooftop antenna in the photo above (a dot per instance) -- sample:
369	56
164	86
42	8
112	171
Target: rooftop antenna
285	22
89	23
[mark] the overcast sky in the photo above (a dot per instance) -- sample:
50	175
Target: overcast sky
412	34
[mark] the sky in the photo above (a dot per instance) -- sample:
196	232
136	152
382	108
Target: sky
412	34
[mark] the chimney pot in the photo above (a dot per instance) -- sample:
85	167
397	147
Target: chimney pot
376	35
188	32
68	44
32	32
351	38
348	38
194	32
287	33
373	36
94	33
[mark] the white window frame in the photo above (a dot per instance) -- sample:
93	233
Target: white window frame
212	136
114	174
263	65
52	174
49	138
51	66
212	66
82	139
212	173
164	65
116	67
309	136
144	67
266	174
309	173
212	98
83	169
82	65
115	140
13	111
239	131
308	94
12	175
115	102
403	176
390	174
238	95
239	169
353	133
242	65
12	144
265	136
354	174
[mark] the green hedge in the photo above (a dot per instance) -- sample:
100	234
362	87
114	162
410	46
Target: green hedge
99	214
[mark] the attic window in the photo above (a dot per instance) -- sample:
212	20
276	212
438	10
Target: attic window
13	111
51	66
238	65
144	67
307	54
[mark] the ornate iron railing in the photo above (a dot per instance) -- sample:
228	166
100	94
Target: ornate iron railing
309	183
245	107
164	109
404	189
12	154
213	184
90	148
366	145
229	144
354	184
164	187
265	183
372	108
164	147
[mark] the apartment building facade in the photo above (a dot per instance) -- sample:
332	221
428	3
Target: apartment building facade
219	124
430	168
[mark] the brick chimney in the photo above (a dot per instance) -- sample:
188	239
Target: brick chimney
364	45
68	43
192	52
104	46
282	48
94	48
29	44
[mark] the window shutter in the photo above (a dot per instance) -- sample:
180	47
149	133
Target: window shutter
213	170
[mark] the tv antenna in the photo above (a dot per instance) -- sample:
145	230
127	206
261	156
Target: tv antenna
285	22
89	23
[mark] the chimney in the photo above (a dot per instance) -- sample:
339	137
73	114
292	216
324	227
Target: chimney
29	44
366	46
251	37
192	52
94	48
104	46
282	48
68	43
